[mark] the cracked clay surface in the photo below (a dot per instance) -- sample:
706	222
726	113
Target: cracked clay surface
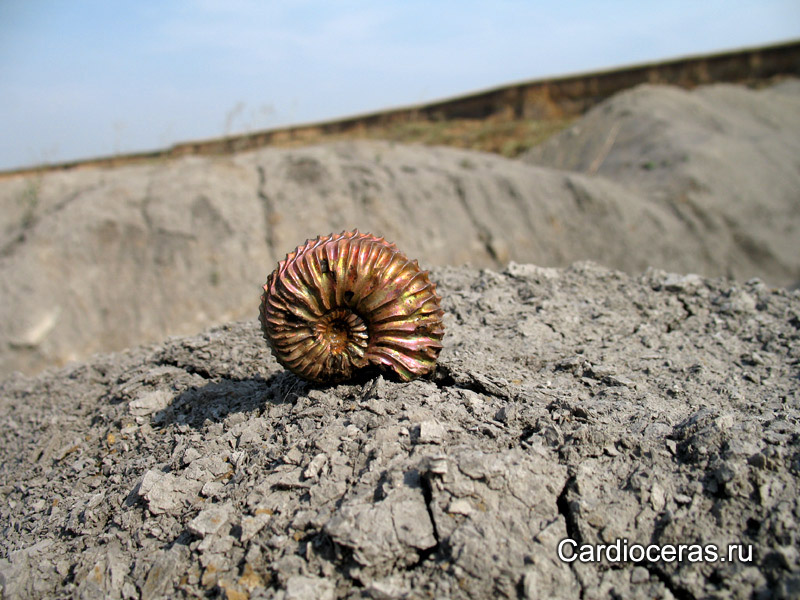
577	403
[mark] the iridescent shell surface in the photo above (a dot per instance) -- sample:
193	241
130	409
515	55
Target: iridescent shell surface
343	302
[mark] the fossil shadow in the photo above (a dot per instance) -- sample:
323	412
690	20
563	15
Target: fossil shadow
216	400
220	398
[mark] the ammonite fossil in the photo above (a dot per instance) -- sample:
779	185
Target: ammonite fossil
343	302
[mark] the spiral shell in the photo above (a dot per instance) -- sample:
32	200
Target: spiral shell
343	302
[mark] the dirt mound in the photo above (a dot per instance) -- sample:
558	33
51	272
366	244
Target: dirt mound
96	260
577	404
723	159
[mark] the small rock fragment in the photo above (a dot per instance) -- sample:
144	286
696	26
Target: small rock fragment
315	466
250	578
657	499
190	455
675	282
293	457
506	414
210	520
252	525
161	574
301	587
461	506
149	402
389	532
435	465
611	450
212	488
431	432
159	490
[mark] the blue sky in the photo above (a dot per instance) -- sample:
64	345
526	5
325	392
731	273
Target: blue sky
85	78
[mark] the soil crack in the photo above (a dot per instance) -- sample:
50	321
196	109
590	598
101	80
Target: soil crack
566	510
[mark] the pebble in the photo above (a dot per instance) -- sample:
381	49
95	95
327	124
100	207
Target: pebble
210	520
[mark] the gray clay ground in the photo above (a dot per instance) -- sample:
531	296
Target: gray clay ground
581	403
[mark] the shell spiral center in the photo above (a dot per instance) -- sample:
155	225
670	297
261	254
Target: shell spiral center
343	332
